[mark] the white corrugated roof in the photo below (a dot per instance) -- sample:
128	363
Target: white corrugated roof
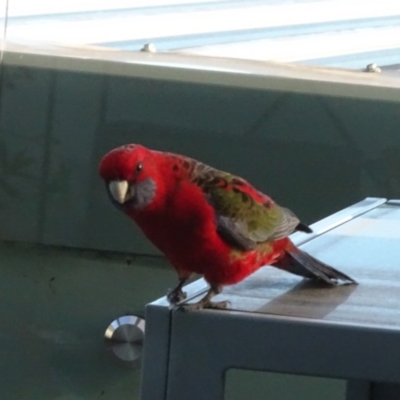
343	33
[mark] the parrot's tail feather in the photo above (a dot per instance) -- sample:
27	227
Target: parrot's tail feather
303	228
301	263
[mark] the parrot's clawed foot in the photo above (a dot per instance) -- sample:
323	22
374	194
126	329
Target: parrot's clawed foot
176	295
206	302
200	305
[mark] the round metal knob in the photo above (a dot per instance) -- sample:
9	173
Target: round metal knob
124	338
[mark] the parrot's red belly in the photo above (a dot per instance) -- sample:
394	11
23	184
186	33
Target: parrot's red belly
197	248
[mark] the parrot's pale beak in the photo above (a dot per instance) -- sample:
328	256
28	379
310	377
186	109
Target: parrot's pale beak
119	190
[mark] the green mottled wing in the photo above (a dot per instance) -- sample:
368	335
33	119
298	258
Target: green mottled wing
245	222
245	217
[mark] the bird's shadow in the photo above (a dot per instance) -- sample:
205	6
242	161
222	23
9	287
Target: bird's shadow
308	299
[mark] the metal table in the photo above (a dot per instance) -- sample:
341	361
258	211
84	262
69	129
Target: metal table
281	323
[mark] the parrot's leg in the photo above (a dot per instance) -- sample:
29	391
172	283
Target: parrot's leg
206	302
176	295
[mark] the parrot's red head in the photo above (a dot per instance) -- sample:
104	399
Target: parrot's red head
131	175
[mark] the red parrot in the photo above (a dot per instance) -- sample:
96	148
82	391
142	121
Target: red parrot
206	221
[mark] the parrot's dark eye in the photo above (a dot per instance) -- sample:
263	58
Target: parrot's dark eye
139	167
